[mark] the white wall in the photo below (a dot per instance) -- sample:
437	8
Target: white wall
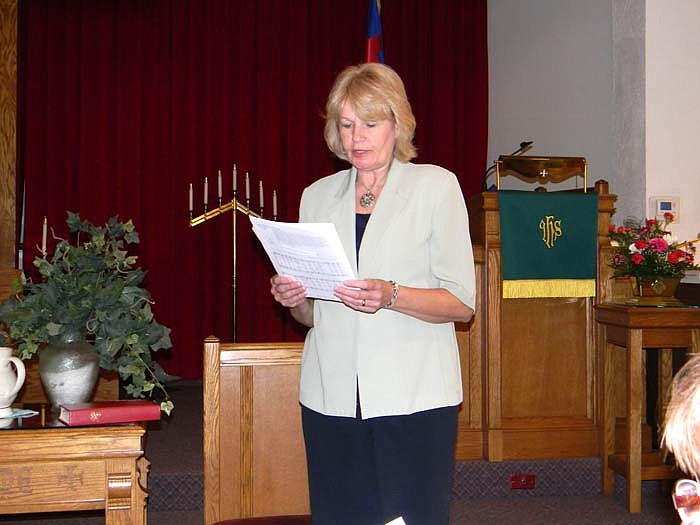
673	107
615	81
550	81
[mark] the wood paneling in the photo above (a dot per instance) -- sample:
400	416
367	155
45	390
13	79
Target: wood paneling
8	130
549	336
544	444
470	442
8	277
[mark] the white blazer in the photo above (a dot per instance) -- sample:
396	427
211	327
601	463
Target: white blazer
418	236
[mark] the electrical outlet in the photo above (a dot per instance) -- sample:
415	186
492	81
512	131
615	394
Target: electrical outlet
522	481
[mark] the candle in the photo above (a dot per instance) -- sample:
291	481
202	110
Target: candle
235	178
247	186
191	198
274	203
220	185
206	191
44	229
262	205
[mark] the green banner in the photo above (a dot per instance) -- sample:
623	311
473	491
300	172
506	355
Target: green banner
548	243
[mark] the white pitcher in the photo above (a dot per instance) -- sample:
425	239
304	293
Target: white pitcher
10	380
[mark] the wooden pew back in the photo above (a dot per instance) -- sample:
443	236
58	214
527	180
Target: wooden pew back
254	458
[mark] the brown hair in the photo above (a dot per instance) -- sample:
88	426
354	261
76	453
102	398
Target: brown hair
375	92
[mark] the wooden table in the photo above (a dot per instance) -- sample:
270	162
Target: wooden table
634	328
51	467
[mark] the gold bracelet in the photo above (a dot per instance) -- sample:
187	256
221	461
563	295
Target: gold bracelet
394	295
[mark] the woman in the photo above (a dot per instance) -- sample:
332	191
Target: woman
380	379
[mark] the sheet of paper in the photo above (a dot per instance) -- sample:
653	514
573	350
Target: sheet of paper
309	252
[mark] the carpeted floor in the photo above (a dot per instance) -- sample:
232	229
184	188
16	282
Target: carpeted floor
562	510
566	491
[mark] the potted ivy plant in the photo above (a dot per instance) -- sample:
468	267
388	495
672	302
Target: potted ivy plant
91	290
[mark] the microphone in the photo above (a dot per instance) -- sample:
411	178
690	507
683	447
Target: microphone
524	146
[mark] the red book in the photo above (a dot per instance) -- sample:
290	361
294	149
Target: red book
105	412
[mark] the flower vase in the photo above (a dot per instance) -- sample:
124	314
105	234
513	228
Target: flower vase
10	380
655	291
69	370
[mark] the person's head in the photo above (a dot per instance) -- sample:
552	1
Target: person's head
681	436
372	93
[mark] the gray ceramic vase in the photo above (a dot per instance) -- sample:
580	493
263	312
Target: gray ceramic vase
69	370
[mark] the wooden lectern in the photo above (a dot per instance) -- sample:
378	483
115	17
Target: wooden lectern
539	355
541	169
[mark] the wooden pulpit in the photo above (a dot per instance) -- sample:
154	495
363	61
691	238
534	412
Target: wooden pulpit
538	354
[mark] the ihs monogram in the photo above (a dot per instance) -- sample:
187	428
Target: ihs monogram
551	230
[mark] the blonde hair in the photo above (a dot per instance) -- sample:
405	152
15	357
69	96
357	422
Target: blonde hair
682	426
375	92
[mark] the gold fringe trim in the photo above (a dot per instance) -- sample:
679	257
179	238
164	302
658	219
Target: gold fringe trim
549	288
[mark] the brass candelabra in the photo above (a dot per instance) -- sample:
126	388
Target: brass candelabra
234	205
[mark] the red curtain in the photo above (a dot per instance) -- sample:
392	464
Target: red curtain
123	104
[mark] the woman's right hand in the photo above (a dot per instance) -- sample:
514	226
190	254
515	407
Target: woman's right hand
287	291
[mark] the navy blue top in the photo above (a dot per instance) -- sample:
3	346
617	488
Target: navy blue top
361	220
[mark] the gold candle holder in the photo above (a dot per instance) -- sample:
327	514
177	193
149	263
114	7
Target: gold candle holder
234	205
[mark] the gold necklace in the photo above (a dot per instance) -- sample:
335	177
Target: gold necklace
368	198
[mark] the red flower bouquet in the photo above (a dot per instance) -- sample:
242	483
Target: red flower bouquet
648	250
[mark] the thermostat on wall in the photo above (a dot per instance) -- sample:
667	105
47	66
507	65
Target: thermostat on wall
661	205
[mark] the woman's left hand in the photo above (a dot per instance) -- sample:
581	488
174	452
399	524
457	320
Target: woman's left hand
366	295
